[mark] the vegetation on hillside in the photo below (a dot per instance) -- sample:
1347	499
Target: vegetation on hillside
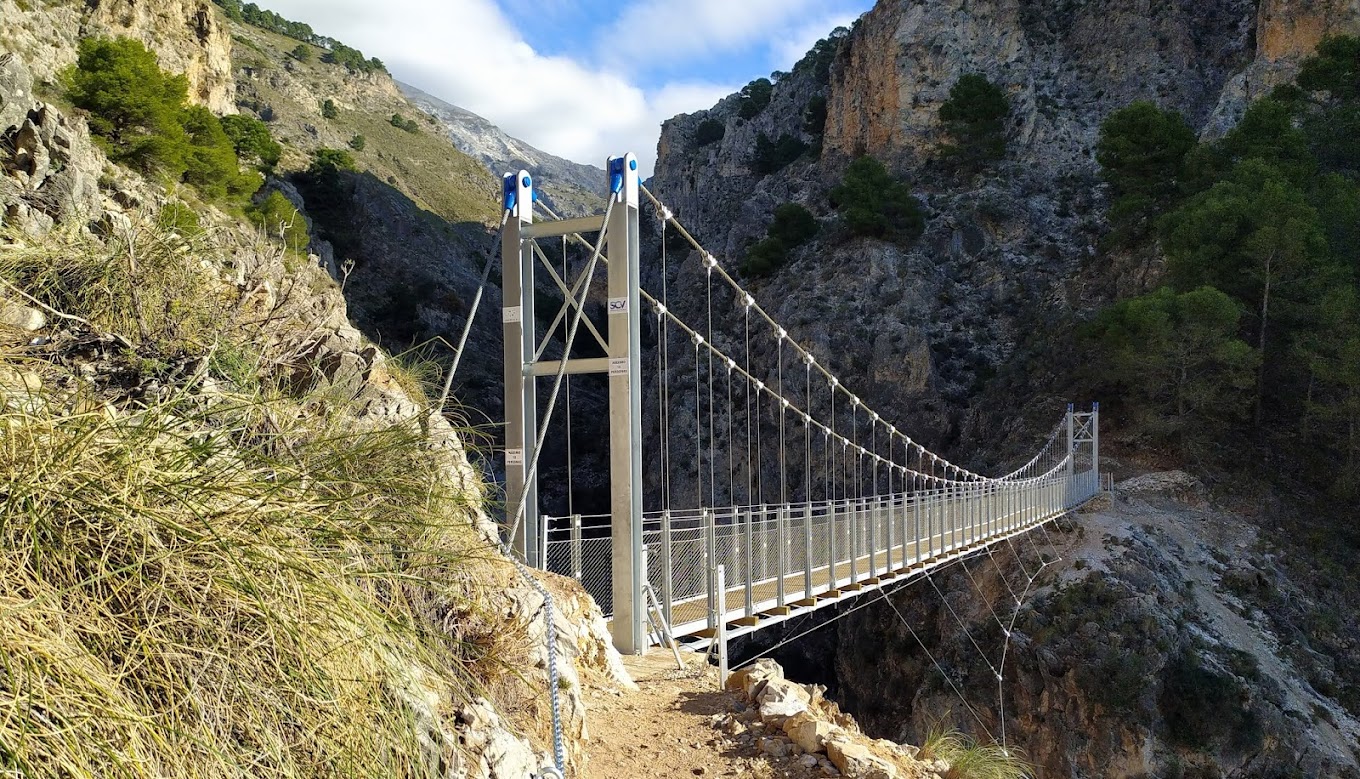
772	156
970	759
1264	219
754	98
139	115
336	52
404	123
709	131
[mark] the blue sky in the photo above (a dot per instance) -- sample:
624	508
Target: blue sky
582	79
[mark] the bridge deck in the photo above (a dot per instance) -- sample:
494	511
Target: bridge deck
778	560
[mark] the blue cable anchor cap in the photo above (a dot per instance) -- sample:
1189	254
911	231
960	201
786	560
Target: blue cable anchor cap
616	170
509	191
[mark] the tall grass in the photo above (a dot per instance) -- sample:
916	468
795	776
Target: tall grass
969	759
251	582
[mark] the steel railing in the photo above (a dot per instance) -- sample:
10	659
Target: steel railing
780	556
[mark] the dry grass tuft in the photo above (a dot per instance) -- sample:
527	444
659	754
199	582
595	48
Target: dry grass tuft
969	759
241	583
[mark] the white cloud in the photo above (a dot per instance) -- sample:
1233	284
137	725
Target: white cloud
665	31
468	53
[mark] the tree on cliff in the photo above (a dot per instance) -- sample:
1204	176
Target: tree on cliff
874	204
135	109
137	112
1256	237
1178	363
975	118
1142	153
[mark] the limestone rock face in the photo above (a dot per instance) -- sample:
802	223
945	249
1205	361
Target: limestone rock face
188	36
927	329
1065	66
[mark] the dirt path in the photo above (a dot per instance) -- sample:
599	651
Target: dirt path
667	728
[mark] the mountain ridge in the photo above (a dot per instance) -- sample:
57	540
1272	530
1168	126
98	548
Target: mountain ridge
567	187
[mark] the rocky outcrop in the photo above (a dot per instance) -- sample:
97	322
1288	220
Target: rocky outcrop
1065	66
49	168
803	730
188	36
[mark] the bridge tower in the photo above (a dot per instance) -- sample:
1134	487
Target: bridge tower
525	365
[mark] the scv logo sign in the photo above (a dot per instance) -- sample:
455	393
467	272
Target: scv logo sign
618	305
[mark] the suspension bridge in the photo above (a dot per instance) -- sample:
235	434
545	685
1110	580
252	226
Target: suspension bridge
747	483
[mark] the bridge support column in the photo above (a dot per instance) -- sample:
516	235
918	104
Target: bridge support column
521	412
625	406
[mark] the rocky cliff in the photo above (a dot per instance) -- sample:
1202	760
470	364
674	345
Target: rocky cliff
933	327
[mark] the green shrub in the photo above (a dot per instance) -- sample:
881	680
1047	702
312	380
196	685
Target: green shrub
301	52
874	204
329	110
358	143
212	166
765	257
329	163
709	131
1203	706
774	156
975	118
252	140
814	117
402	123
178	217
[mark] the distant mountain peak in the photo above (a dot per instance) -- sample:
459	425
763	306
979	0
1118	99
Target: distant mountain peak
570	188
